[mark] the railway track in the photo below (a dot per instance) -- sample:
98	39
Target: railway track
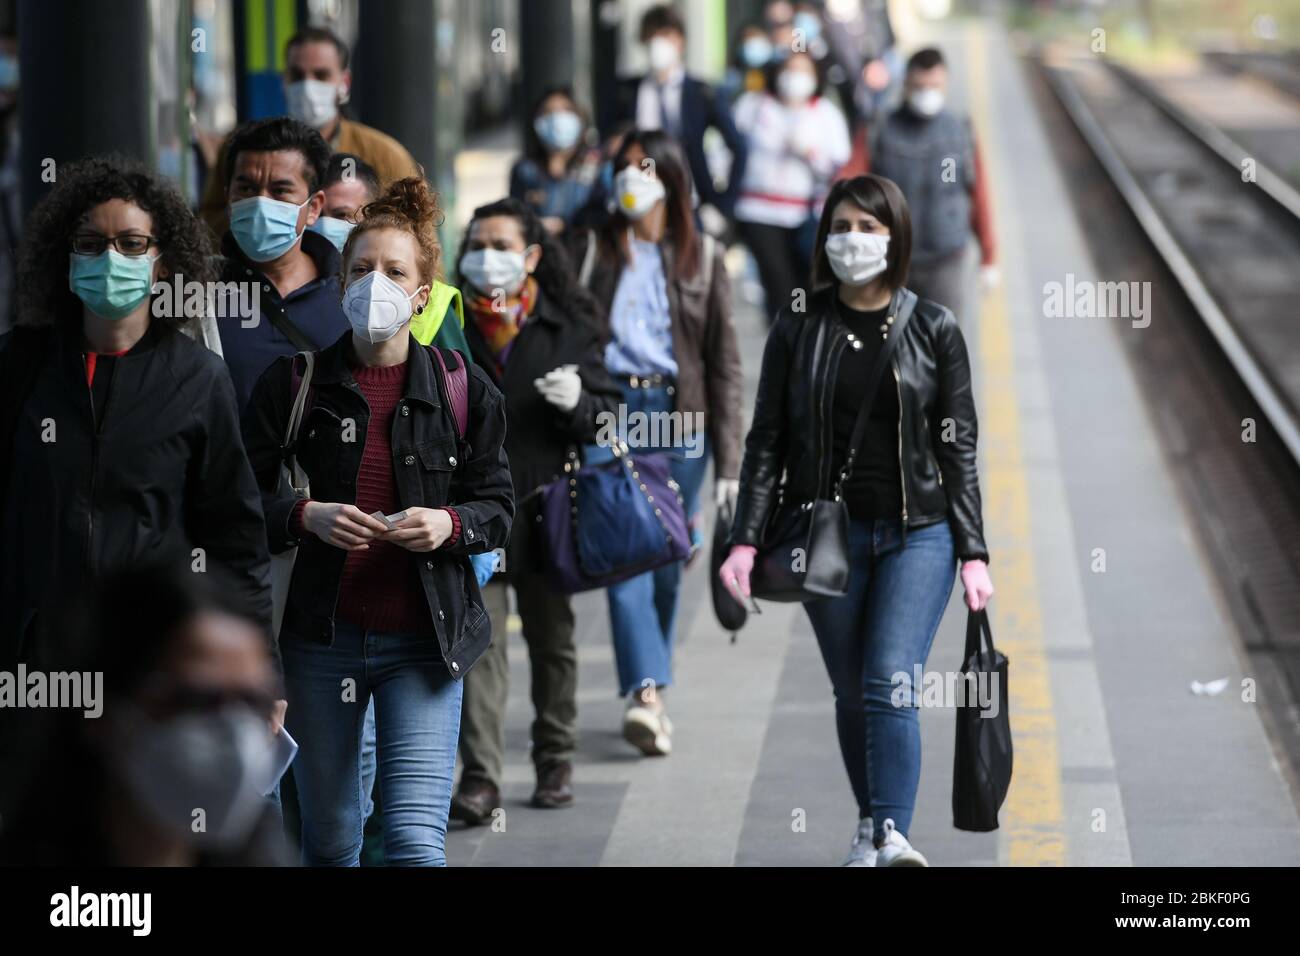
1161	197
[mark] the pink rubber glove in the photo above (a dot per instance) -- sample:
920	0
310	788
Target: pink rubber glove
975	579
735	571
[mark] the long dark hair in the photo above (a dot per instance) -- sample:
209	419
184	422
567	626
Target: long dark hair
534	148
555	274
881	198
672	170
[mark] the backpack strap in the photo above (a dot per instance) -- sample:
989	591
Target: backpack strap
456	384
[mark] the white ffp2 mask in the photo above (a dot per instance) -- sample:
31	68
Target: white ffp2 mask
377	307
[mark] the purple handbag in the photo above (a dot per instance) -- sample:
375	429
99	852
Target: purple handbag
602	524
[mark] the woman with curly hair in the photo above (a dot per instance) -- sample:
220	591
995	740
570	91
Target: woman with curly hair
383	601
119	436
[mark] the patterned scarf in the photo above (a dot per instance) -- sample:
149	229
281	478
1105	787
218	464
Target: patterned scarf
499	326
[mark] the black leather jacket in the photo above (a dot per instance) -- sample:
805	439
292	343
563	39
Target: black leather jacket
788	450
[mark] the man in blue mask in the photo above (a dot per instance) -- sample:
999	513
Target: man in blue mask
349	184
274	180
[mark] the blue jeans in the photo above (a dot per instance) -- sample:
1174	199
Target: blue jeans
643	609
884	625
417	714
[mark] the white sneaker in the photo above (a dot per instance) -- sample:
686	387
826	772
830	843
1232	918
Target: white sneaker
862	851
646	727
896	851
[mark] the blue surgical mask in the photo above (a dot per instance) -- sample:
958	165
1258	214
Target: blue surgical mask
559	130
810	24
110	284
265	228
335	230
756	52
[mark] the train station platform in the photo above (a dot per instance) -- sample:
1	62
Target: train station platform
1106	606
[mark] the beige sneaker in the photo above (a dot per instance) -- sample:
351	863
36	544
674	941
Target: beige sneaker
645	725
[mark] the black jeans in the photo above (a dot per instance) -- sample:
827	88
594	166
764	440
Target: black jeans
782	264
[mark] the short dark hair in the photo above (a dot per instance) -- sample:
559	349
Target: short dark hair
661	17
881	198
926	58
277	133
336	172
318	35
44	297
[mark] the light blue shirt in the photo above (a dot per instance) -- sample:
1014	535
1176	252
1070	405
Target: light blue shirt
640	323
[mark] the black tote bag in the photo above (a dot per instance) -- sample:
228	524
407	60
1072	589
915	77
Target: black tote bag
981	766
731	614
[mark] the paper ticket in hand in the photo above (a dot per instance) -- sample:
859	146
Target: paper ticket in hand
389	520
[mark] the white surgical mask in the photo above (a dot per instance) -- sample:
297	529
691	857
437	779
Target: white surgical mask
663	54
490	269
314	102
377	307
795	86
635	192
857	257
220	763
927	102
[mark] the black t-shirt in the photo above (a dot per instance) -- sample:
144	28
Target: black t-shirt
874	489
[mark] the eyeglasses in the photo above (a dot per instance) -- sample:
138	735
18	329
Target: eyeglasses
130	244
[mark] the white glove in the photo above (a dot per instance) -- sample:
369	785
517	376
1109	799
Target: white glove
712	219
726	491
989	277
561	387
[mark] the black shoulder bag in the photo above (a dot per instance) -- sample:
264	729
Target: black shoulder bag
805	550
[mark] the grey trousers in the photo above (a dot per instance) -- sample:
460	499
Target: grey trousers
950	281
553	658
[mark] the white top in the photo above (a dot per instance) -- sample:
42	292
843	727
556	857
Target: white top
781	186
648	106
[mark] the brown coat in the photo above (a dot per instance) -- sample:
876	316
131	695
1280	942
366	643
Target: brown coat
709	376
387	155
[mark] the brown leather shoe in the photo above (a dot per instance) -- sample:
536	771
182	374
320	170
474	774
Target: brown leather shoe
474	801
554	785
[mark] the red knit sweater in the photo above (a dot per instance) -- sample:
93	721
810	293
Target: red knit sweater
380	587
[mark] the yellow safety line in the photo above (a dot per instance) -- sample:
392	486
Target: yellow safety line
1032	817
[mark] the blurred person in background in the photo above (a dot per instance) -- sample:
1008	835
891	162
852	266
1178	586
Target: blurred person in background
748	70
666	296
797	140
350	182
558	175
276	169
175	769
667	98
913	498
119	434
538	335
916	146
317	82
392	608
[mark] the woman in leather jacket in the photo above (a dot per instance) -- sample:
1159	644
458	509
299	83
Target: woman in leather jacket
912	488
